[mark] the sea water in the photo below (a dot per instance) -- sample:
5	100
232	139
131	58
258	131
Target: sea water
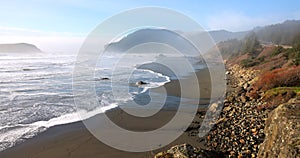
36	90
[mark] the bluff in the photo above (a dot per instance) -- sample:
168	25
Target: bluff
19	47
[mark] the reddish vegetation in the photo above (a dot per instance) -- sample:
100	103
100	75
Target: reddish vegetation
281	77
276	70
264	61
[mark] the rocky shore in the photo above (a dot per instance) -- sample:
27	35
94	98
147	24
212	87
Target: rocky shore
239	131
187	151
243	130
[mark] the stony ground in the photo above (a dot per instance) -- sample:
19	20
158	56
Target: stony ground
244	131
240	128
188	151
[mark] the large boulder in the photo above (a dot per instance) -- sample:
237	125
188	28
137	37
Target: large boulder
282	132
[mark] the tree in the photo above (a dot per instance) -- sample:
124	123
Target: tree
250	44
296	42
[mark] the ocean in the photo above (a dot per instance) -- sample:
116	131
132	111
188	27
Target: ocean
36	89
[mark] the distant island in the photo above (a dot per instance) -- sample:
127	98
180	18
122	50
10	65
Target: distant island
19	47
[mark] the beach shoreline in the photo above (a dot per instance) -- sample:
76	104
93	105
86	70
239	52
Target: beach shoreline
74	140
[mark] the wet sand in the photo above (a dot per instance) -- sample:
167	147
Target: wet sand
75	141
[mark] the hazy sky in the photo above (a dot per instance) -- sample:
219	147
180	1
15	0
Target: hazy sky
62	25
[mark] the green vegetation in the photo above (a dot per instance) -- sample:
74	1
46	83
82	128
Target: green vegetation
282	90
261	59
284	33
293	54
250	44
287	33
296	61
296	42
279	95
249	63
278	50
230	47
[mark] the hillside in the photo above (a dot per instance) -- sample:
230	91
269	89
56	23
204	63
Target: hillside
153	35
219	35
263	92
286	35
163	35
283	33
19	47
224	35
279	65
260	115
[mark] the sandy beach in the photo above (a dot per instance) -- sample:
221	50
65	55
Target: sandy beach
75	141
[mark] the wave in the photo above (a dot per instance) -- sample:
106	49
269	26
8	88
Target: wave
42	89
154	84
14	134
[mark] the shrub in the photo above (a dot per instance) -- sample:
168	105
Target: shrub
294	55
249	63
250	44
261	59
277	96
281	77
296	60
278	50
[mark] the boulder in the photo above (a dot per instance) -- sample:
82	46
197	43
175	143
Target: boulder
101	79
282	132
244	99
141	83
214	107
245	86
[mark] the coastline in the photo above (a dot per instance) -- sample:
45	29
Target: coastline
74	140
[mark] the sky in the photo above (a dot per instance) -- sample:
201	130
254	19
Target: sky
62	25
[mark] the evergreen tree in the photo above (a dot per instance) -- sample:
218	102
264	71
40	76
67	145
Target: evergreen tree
250	44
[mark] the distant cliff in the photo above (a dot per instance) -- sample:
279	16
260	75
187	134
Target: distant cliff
19	47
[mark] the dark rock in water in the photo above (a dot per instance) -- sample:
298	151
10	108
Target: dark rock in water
101	79
141	83
26	69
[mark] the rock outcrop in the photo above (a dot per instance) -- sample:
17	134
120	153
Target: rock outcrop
282	132
244	130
